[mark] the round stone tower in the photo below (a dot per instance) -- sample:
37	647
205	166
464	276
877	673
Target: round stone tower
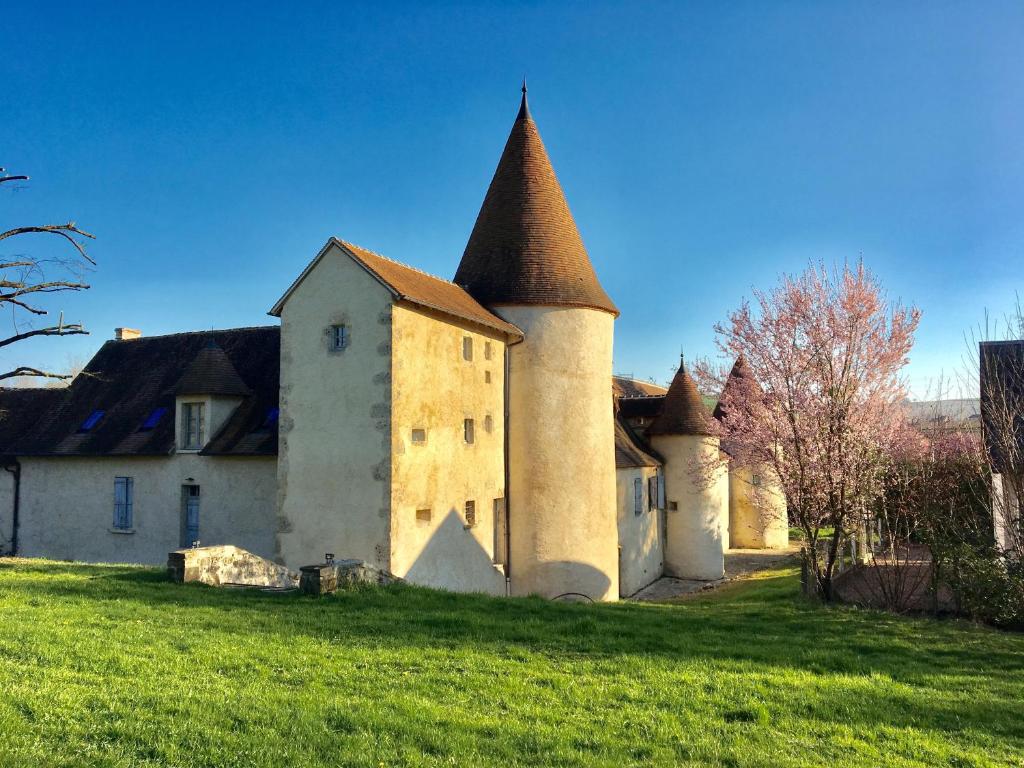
696	483
526	262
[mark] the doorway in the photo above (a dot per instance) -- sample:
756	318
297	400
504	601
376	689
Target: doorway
189	515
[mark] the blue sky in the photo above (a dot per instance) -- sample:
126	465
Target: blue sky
704	148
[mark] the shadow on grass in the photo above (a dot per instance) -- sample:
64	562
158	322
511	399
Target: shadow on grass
760	627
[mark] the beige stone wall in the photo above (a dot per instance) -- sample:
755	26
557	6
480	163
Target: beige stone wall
562	509
641	537
334	461
435	389
696	530
67	505
757	510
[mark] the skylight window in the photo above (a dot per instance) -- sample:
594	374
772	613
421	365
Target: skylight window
271	418
153	419
91	422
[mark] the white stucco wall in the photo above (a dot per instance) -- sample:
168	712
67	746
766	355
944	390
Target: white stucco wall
641	545
435	389
562	510
6	510
695	531
334	461
67	505
757	511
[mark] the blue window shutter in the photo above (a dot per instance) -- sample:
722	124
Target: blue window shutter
661	489
638	496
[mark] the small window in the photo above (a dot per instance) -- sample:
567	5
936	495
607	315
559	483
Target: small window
470	513
91	421
487	377
756	480
193	425
423	515
152	420
673	506
638	496
419	437
123	500
467	430
467	348
338	335
488	423
487	350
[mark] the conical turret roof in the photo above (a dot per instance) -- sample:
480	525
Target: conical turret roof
525	248
740	385
683	412
211	373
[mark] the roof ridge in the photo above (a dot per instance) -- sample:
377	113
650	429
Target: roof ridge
196	333
348	244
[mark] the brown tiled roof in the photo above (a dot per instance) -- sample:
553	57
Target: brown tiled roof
211	373
427	290
741	379
683	411
630	450
412	285
20	408
525	248
624	386
129	380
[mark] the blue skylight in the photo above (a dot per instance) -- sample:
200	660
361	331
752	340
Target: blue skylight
271	418
90	422
153	419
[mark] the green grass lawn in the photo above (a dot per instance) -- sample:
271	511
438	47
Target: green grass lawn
113	665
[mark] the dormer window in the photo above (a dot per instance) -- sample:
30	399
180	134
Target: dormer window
338	335
193	426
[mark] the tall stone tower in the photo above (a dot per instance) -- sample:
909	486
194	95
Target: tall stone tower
526	262
696	483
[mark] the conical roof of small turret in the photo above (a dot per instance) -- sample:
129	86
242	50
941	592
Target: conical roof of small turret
683	412
740	385
211	373
525	248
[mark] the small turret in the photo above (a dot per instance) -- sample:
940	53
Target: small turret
757	505
696	483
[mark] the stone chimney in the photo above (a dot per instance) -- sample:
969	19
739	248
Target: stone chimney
125	334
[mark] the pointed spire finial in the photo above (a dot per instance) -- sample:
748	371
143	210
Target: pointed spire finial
524	108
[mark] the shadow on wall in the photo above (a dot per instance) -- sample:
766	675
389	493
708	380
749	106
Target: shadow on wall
452	558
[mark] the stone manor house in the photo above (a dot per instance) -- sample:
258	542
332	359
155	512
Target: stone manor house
465	434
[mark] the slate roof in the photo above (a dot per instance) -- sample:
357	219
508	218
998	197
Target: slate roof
211	373
129	380
683	411
630	450
525	248
1001	369
22	407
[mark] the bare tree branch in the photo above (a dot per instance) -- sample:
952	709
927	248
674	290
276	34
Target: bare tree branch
35	372
74	329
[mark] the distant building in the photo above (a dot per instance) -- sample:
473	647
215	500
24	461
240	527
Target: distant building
458	434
